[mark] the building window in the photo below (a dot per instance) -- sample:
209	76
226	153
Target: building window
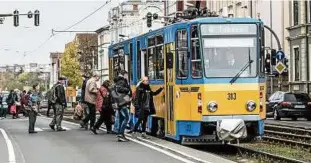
180	5
296	12
297	64
181	51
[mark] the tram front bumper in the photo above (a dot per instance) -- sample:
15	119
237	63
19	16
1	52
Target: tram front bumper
215	118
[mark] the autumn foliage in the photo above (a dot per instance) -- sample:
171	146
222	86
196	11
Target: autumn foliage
70	66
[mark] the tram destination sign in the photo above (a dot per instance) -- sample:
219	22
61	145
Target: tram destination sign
228	29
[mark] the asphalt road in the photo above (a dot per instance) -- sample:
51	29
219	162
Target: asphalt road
73	146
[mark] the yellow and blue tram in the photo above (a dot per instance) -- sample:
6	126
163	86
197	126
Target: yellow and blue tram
212	69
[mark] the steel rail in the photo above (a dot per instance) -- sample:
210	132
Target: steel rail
267	155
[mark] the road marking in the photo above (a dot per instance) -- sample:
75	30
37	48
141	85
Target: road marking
9	146
38	129
154	148
66	128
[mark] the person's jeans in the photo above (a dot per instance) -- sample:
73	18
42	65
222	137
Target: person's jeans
123	119
116	122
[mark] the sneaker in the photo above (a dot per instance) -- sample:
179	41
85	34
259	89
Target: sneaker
52	127
60	129
93	129
32	132
122	138
144	135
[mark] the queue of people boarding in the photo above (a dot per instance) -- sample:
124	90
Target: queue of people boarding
113	101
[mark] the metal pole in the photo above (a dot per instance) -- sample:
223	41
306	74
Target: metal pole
271	43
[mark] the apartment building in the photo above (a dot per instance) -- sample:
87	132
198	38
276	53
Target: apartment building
299	44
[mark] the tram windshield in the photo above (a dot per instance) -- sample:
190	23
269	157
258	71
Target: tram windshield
225	55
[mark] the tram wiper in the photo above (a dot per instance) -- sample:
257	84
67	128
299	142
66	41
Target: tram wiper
241	71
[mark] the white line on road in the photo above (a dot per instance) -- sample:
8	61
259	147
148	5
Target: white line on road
9	145
38	129
155	148
66	128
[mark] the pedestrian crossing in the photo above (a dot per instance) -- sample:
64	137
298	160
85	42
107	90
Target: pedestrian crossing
38	129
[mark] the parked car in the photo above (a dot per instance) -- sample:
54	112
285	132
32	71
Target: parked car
289	105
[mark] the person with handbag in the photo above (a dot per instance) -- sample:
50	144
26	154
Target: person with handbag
32	106
121	94
144	105
12	98
103	105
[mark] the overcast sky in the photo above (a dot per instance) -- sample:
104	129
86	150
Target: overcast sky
58	15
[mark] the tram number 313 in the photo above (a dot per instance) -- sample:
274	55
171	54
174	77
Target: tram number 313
231	96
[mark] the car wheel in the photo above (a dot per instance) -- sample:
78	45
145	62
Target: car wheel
276	115
294	118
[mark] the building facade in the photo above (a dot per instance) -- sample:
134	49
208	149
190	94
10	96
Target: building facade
129	18
55	67
104	41
300	44
87	49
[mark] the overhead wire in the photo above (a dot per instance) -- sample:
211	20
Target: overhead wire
69	27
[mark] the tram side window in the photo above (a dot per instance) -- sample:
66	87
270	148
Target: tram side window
130	63
138	60
182	56
154	63
159	60
149	64
118	62
196	60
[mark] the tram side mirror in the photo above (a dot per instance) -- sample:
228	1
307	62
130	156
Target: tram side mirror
169	60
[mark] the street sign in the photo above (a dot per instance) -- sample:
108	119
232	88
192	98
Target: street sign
280	67
280	55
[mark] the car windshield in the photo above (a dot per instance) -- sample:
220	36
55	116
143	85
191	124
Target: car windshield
225	55
296	97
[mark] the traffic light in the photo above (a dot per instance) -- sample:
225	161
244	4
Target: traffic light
37	17
286	62
273	57
267	63
155	16
149	19
16	18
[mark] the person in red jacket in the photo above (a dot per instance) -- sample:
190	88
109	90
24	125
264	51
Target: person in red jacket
103	105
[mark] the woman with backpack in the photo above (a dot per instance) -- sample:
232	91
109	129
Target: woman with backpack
104	106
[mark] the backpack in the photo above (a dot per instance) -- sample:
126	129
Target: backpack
34	98
51	96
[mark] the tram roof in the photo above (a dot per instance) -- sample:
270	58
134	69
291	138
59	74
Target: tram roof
185	23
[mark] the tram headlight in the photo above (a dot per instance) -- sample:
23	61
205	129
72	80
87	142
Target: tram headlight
251	105
212	106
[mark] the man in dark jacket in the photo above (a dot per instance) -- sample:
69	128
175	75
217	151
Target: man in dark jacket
144	105
59	105
122	87
83	103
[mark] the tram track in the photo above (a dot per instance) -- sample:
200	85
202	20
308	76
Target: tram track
261	155
291	136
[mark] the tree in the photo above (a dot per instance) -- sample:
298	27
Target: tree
70	66
23	77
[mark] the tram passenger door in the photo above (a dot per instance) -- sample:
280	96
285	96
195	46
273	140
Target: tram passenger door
169	90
